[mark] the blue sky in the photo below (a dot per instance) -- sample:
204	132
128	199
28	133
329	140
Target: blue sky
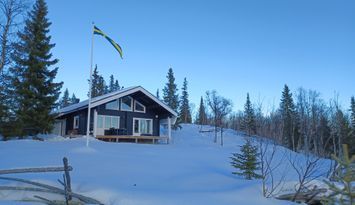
234	47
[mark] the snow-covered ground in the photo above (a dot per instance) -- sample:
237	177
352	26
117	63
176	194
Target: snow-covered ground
191	170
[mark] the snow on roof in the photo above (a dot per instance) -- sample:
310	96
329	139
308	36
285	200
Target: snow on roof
96	100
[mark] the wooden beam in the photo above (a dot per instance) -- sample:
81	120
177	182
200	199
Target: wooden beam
35	170
50	188
116	138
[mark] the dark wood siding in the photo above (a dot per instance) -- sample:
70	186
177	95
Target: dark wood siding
153	111
126	118
82	121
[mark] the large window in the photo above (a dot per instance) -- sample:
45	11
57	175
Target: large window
126	103
138	107
100	121
142	126
76	122
108	122
112	105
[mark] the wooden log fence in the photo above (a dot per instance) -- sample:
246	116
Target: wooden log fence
34	170
45	188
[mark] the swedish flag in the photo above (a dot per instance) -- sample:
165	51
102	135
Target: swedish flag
97	31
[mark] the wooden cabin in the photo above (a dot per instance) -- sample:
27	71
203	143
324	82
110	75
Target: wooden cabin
131	114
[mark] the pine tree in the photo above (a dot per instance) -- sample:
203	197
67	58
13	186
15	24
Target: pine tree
3	100
351	138
202	116
65	101
352	110
94	82
185	111
249	117
246	162
36	91
111	86
157	94
345	193
170	95
288	113
102	87
98	85
74	99
117	86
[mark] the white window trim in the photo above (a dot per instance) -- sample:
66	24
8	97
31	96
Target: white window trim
74	125
151	127
118	105
136	102
132	108
104	123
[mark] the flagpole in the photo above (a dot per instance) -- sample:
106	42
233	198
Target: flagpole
90	85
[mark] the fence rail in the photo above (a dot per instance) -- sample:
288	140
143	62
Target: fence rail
44	188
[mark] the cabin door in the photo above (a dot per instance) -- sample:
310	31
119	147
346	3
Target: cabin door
59	127
142	126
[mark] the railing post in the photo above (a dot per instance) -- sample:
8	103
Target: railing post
169	130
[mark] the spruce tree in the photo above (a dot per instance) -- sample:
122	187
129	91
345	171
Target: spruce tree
98	85
157	94
74	99
36	92
185	111
3	100
352	110
202	116
170	95
288	114
249	117
111	86
117	86
102	87
94	82
246	162
65	101
351	138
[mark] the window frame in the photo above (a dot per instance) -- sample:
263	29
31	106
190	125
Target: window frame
76	119
118	105
139	126
100	122
137	102
104	117
111	121
132	108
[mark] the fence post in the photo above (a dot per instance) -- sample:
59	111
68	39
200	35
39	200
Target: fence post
67	177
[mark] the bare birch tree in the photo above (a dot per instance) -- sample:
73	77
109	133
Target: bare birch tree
11	11
307	168
272	182
220	108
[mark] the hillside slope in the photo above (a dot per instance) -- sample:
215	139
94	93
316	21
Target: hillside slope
191	170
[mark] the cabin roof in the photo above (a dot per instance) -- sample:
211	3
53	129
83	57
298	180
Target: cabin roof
96	101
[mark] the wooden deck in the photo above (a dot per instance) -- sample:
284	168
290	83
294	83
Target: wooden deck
135	139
